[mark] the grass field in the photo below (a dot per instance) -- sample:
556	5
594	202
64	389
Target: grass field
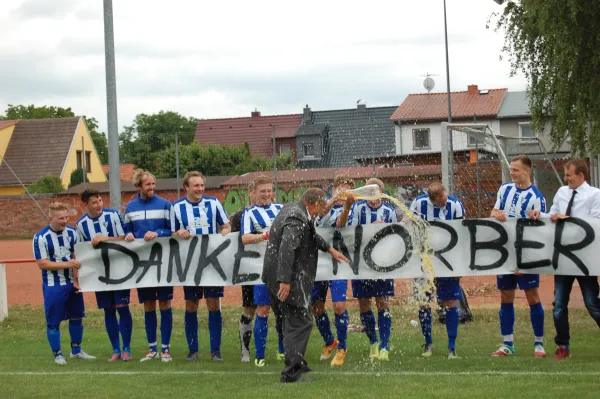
27	368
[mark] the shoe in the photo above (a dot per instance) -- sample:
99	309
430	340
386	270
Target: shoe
149	356
563	352
245	356
384	355
126	356
216	356
192	356
60	359
505	350
82	355
259	362
327	349
338	359
115	356
452	354
538	350
427	350
165	356
374	353
306	369
280	356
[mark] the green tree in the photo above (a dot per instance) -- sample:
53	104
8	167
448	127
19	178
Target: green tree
46	185
556	44
76	177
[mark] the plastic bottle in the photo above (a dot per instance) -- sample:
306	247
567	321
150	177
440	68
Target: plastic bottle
370	191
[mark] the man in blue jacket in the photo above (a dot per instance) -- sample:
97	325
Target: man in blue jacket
148	216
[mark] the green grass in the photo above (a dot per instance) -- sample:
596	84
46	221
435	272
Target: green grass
475	375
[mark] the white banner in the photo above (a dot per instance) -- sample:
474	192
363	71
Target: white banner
472	247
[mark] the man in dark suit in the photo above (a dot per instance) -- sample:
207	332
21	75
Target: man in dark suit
289	271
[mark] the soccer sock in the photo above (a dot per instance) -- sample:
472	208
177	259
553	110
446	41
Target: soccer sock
191	330
279	329
261	328
112	328
452	326
151	323
76	333
341	325
245	331
215	330
125	327
536	313
53	334
384	318
324	327
166	327
425	319
368	321
507	322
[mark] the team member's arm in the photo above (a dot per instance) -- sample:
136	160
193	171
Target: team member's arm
345	215
128	226
554	209
393	215
249	235
40	253
177	227
166	232
119	230
459	211
595	205
223	220
497	213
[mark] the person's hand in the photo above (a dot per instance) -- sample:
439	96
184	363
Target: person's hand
98	239
265	235
534	214
557	216
284	291
225	231
183	233
74	263
517	273
151	235
378	222
499	215
338	255
129	237
350	199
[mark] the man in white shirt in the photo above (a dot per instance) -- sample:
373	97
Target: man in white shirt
577	199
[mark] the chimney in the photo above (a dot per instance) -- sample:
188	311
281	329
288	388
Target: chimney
473	89
361	106
255	113
307	114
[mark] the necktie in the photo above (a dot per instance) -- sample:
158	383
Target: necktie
570	205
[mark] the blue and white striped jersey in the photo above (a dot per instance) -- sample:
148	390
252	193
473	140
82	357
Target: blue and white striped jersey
423	207
362	213
56	247
198	218
516	202
108	224
143	215
330	219
258	219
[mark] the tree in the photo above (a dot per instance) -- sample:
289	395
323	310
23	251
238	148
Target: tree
76	177
556	44
46	185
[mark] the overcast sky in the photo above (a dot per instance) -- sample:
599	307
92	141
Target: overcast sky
212	59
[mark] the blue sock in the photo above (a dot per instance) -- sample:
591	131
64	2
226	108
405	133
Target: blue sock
384	318
452	326
279	328
125	327
151	323
261	328
166	326
191	330
215	330
53	334
76	333
507	322
324	327
368	320
112	328
341	325
425	319
536	313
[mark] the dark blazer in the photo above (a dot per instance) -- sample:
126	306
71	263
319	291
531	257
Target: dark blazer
292	254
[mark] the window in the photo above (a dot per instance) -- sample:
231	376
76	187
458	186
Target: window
284	149
88	161
309	149
525	131
473	140
421	139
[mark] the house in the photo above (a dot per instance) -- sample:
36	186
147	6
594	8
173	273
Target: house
126	171
38	147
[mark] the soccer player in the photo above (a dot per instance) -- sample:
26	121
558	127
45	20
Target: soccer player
53	248
367	212
438	205
256	222
515	200
199	214
97	225
148	216
338	288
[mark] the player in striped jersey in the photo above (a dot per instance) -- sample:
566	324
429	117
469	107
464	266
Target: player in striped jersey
53	249
98	225
438	205
256	222
367	212
338	288
515	200
148	216
198	214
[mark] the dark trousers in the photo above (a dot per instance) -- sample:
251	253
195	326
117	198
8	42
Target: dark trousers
297	325
562	292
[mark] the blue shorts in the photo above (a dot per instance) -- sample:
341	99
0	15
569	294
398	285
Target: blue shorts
109	299
261	295
448	288
154	293
61	302
338	290
193	293
507	282
372	288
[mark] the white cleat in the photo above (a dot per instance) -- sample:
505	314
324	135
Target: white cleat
245	356
149	356
60	360
82	355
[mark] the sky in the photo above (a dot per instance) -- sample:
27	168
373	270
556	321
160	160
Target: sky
225	59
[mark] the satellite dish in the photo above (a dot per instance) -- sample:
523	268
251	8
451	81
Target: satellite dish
429	84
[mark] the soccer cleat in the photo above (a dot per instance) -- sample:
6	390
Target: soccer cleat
127	356
384	355
538	350
280	356
60	360
259	362
427	350
452	354
115	356
245	356
374	353
192	356
505	350
327	349
562	353
82	355
216	356
338	359
165	356
149	356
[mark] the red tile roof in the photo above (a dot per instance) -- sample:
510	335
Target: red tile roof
4	124
126	171
256	130
465	104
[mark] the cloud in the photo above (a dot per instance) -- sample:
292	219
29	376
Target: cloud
54	9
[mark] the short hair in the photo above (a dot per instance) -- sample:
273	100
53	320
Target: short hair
435	190
89	193
251	186
139	175
190	174
525	160
262	179
580	166
57	206
374	180
341	179
313	196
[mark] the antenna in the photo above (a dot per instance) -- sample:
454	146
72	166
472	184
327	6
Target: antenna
429	83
